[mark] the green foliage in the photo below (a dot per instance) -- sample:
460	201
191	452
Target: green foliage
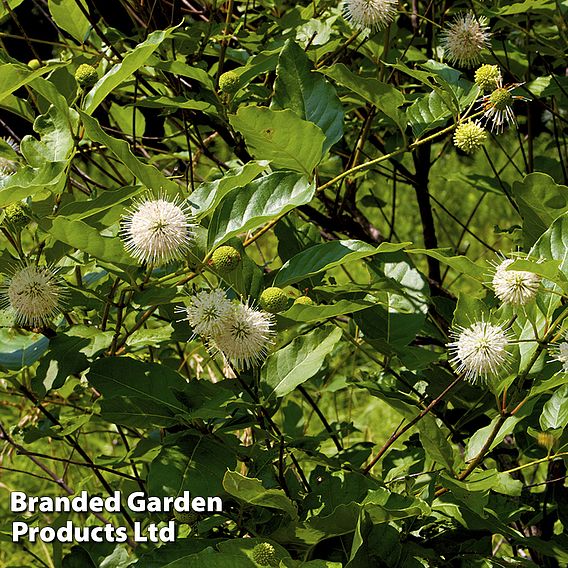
327	354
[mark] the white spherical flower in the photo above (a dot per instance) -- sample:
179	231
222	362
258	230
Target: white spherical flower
33	293
516	287
480	351
208	312
245	337
157	230
370	14
465	39
560	354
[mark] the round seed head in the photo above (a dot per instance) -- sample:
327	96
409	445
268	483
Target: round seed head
273	300
264	554
469	137
488	77
186	517
17	215
304	300
86	75
34	64
225	259
229	82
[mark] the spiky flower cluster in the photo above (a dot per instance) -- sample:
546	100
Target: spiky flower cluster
157	230
560	354
86	76
264	554
229	82
497	107
480	351
33	294
515	287
239	331
370	14
465	39
488	77
469	137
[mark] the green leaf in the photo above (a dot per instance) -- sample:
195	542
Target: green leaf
137	393
88	239
461	264
123	70
435	441
196	464
307	313
294	364
308	94
246	208
385	97
69	17
13	76
208	195
428	112
555	410
150	176
281	137
478	440
325	256
251	491
179	68
6	7
19	349
541	200
29	180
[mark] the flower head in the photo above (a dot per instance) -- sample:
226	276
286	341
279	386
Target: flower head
225	259
86	75
273	300
465	38
370	14
480	351
515	287
469	136
229	82
265	554
560	354
304	300
33	293
488	77
208	312
157	231
245	336
497	106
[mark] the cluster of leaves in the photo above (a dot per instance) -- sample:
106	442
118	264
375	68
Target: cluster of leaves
323	159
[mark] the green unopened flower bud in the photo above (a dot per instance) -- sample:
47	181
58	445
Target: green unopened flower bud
265	554
229	82
501	98
304	300
17	215
86	75
225	259
34	64
273	300
488	77
469	137
186	517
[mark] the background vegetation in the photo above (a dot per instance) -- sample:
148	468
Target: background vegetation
330	166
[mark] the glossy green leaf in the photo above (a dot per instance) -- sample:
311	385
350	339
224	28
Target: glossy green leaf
19	349
308	94
555	410
13	76
251	491
281	137
325	256
244	209
207	196
434	439
69	17
428	112
125	69
541	200
150	176
294	364
385	97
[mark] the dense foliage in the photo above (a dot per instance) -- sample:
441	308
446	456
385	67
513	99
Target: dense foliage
310	258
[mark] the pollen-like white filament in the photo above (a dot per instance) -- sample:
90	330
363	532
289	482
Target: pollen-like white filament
516	287
157	231
370	14
208	312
